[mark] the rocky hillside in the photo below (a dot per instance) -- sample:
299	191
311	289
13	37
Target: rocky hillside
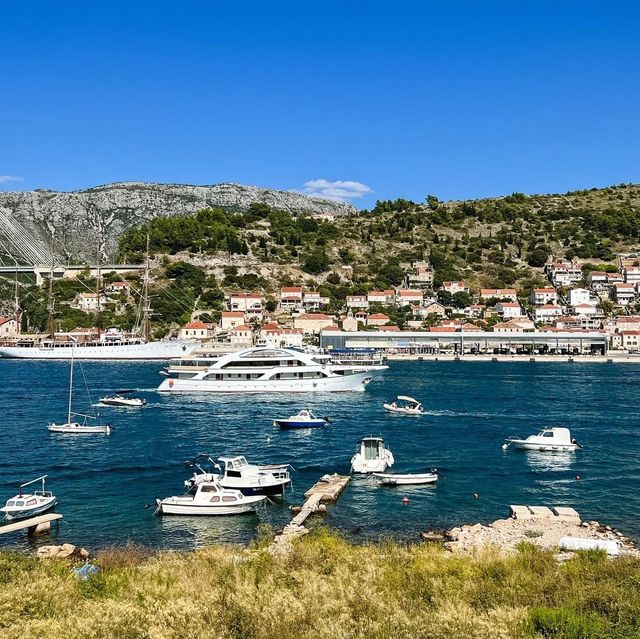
28	218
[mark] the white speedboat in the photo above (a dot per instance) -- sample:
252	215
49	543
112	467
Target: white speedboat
411	479
405	405
548	439
304	419
121	400
31	503
269	370
209	498
371	457
73	427
237	474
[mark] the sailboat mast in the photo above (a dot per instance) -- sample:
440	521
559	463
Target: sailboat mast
146	309
17	309
73	350
52	302
98	275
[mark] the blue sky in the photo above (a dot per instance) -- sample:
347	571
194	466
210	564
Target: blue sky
457	99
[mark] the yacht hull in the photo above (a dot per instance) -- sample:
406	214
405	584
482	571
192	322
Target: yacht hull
24	513
184	507
147	351
288	424
549	448
356	382
250	491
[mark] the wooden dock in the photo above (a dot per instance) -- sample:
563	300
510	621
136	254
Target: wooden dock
327	489
33	525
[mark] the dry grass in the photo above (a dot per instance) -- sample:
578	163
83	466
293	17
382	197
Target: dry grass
327	588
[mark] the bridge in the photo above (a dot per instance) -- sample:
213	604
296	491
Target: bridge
66	271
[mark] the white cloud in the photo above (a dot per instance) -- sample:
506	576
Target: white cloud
10	178
340	190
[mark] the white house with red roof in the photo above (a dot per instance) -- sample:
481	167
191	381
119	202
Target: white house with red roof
631	340
623	293
409	297
547	312
9	326
118	287
377	319
387	298
499	293
454	287
508	310
433	308
357	301
597	280
89	302
241	336
197	330
313	323
230	319
588	308
421	275
391	328
631	274
251	304
545	295
564	273
312	301
290	297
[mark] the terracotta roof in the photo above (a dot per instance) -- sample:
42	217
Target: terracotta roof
242	327
379	316
330	328
314	316
196	324
4	320
231	314
246	295
291	289
391	328
271	326
544	290
509	304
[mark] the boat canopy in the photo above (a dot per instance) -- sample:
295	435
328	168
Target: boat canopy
406	398
559	434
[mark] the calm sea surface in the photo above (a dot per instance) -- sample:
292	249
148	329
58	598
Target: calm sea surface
106	484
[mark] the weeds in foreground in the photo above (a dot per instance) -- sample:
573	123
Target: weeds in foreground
326	589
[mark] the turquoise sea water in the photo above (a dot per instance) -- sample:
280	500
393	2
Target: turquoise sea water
105	484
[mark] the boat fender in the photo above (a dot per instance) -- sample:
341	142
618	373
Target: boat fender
170	383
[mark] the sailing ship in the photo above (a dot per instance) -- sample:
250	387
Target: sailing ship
112	344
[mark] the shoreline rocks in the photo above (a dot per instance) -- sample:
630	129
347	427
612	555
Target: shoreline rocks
64	551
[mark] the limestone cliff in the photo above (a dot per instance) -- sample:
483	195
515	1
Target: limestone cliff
28	218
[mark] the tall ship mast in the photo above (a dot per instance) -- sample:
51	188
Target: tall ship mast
110	344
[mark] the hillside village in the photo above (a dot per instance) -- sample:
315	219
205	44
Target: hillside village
572	301
512	265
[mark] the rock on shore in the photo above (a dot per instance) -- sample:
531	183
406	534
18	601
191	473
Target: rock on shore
545	533
62	552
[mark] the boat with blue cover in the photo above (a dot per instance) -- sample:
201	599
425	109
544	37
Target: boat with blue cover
304	419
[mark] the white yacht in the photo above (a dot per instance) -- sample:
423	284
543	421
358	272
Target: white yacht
238	474
371	457
268	370
209	498
548	440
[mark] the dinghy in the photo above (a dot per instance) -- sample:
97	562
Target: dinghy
410	479
209	498
304	419
548	440
405	405
29	504
371	457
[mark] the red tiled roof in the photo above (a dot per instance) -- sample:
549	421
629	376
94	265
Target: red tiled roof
231	314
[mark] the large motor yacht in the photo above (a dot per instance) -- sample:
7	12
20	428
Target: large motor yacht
268	370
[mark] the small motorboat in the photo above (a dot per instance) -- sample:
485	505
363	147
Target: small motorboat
409	479
371	457
548	440
238	474
209	498
405	405
304	419
121	400
29	504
